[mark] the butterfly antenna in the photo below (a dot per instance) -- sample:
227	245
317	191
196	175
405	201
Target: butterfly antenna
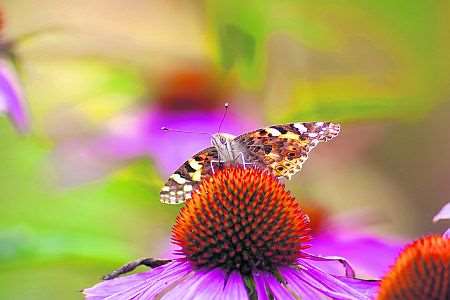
224	115
182	131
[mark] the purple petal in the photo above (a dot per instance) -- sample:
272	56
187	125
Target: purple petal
302	290
277	290
110	287
443	214
202	284
260	286
149	283
235	288
11	96
447	234
301	278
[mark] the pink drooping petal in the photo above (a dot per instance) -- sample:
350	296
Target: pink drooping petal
304	279
11	97
382	251
349	272
368	287
364	291
443	214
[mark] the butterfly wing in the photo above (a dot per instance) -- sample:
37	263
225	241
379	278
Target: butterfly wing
284	148
184	180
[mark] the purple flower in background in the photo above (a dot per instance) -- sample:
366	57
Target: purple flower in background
190	100
346	236
143	135
11	96
241	236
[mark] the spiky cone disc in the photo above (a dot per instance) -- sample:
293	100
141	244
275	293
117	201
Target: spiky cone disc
241	219
421	272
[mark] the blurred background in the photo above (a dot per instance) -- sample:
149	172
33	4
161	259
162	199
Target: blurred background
80	173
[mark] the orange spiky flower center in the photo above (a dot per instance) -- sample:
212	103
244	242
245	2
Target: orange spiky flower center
421	272
241	219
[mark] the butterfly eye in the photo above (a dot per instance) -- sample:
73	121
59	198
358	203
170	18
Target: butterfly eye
223	140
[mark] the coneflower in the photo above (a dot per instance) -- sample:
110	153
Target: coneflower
241	236
422	270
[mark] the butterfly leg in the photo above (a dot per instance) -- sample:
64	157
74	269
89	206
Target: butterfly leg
219	162
149	262
241	155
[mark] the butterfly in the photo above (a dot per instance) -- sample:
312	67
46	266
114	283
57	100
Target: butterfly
281	149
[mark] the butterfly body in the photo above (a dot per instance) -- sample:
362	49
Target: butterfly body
227	149
281	149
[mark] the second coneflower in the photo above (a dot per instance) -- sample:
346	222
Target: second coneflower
241	236
422	270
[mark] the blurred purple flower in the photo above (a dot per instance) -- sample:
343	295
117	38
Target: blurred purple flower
140	135
190	100
349	238
232	249
11	97
170	149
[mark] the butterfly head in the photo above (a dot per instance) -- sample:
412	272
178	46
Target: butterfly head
220	140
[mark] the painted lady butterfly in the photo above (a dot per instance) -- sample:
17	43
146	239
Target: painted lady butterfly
282	149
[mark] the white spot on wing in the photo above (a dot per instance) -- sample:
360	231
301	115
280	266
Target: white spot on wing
197	175
301	128
178	179
194	164
272	131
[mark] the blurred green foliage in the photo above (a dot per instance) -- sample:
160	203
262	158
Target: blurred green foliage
47	233
374	59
